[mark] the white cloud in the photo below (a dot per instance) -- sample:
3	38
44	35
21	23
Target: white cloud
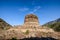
30	10
36	8
23	9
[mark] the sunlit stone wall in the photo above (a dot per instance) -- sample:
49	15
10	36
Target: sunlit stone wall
31	20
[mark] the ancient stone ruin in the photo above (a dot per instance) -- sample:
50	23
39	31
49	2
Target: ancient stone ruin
30	28
31	20
31	23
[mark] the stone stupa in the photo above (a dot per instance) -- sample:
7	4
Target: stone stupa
31	20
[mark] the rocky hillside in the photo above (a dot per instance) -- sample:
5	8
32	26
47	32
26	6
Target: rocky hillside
54	24
4	25
16	33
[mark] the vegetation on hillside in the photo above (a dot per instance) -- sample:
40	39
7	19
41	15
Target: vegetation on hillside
4	25
54	25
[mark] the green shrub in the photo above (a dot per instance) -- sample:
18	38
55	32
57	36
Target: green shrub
27	32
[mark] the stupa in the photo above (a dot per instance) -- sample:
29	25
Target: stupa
31	20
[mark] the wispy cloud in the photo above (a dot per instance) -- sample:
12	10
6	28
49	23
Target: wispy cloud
23	9
30	10
36	8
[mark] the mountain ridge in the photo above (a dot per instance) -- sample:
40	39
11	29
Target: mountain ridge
55	24
4	24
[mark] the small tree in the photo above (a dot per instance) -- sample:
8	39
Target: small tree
27	32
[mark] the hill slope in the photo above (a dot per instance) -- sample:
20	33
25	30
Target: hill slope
4	25
54	24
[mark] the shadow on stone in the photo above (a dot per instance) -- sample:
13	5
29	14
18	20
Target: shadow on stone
36	38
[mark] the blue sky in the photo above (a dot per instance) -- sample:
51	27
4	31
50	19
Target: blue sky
14	11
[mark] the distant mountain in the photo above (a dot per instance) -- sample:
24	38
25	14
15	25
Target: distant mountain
4	25
54	24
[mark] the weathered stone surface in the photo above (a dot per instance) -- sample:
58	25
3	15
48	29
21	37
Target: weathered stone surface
31	24
31	20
